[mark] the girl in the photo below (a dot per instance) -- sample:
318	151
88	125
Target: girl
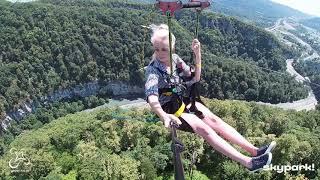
208	127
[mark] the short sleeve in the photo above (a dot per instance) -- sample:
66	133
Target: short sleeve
152	79
182	65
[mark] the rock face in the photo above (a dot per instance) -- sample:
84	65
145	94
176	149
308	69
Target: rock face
224	25
23	110
92	88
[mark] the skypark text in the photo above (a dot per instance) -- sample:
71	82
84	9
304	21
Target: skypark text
286	168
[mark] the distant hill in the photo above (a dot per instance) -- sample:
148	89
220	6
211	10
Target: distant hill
262	12
312	22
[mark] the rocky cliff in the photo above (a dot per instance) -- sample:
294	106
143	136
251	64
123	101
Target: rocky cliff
88	89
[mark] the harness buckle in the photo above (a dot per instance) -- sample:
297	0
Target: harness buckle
167	93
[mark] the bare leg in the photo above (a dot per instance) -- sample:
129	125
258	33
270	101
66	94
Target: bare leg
225	130
215	140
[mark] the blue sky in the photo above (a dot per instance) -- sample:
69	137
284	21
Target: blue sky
307	6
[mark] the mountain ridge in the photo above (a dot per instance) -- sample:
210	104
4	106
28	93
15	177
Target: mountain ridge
260	12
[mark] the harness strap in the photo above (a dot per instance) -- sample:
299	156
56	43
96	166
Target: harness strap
165	91
195	97
180	110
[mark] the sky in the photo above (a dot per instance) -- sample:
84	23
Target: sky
307	6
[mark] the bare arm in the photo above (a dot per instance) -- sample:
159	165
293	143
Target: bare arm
197	52
156	107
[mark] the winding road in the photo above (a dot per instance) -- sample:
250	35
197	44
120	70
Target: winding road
309	103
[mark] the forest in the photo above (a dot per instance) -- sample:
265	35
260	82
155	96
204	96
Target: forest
133	144
47	46
310	69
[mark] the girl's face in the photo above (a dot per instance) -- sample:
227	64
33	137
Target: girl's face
161	49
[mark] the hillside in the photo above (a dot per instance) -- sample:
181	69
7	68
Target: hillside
312	22
311	69
132	144
307	41
48	46
261	12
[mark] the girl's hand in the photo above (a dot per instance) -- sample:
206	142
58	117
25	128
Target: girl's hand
196	47
168	118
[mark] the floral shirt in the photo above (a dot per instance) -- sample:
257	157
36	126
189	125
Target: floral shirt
157	75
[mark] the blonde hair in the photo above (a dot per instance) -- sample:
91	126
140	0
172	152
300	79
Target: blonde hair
161	30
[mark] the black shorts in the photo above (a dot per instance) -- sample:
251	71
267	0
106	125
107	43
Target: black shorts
171	108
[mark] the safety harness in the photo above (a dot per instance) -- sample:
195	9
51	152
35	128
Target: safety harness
181	93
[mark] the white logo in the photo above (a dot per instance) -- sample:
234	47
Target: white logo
20	163
286	168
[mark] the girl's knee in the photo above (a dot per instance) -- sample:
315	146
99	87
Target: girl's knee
203	130
214	119
207	113
216	124
198	125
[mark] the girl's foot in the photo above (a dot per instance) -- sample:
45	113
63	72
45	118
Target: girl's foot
258	163
266	149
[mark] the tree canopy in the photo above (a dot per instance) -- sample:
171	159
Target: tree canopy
133	144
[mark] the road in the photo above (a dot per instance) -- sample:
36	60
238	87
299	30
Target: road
294	73
309	103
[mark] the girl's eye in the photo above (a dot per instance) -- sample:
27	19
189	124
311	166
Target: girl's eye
161	49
